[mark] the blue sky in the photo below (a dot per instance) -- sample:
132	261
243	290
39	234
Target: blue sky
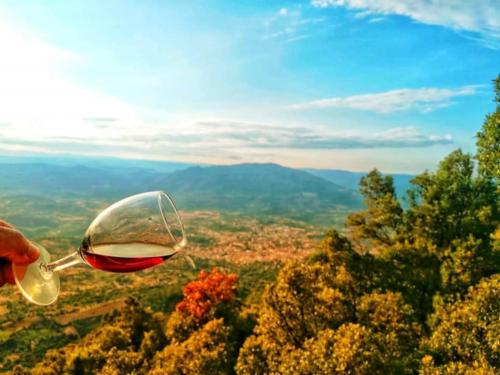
350	84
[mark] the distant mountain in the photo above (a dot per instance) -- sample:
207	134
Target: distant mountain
250	188
120	166
265	188
80	176
71	181
350	180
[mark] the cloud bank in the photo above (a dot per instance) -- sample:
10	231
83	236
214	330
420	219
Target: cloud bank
422	100
227	138
266	136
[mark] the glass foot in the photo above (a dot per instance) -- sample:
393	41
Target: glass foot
37	284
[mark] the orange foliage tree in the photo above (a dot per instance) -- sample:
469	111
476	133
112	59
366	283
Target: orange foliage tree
201	295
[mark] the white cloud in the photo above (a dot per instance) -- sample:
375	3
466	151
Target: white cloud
317	139
290	25
423	100
477	16
376	19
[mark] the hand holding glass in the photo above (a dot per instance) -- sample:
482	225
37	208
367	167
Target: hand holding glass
135	233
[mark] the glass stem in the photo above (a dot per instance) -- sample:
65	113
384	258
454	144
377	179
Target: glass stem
65	262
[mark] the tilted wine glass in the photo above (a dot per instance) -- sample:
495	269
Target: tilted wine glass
135	233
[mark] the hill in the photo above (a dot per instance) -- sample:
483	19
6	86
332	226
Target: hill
51	180
262	188
109	163
74	176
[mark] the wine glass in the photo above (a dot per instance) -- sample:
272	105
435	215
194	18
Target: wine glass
135	233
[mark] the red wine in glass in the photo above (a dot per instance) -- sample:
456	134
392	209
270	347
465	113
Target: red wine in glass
103	257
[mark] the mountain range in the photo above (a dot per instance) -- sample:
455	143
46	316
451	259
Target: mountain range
254	188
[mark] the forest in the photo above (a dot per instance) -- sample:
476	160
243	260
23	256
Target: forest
409	288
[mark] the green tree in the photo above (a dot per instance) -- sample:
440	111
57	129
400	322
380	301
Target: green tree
466	262
466	334
415	273
124	343
451	204
350	349
488	141
301	303
206	351
393	327
379	224
324	316
452	214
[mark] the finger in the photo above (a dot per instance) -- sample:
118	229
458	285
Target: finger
16	248
6	274
5	224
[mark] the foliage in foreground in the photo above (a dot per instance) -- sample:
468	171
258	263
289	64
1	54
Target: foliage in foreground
138	340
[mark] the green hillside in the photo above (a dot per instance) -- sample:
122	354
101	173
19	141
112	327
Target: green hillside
264	188
72	180
71	176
